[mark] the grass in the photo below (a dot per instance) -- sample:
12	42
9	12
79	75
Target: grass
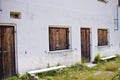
107	70
97	58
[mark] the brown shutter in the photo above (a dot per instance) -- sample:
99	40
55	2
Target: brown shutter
102	37
64	38
52	39
58	38
105	37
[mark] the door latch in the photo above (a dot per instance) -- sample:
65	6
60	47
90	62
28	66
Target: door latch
5	51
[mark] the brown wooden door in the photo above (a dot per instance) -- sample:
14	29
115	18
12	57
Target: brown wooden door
7	52
85	44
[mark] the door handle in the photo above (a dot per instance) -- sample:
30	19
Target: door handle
5	51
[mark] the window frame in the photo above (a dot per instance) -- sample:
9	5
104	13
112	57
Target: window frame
102	39
67	38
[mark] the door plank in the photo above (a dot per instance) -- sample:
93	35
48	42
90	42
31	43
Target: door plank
1	60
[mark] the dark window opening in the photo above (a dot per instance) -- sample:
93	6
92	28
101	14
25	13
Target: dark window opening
103	1
15	15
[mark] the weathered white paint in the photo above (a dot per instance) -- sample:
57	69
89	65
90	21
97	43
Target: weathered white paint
32	38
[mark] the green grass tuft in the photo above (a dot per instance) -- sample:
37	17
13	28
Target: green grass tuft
97	58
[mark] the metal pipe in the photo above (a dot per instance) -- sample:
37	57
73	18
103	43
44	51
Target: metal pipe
0	6
116	20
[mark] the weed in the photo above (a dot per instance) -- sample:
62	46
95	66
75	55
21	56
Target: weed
111	66
49	78
13	78
48	66
20	77
103	71
117	56
79	67
58	64
25	77
97	58
116	77
117	59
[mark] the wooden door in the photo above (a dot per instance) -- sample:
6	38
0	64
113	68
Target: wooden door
7	52
85	44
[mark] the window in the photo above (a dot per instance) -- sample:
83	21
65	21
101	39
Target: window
58	38
102	37
103	1
118	2
15	15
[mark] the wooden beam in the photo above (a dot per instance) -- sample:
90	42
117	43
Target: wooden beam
108	57
46	69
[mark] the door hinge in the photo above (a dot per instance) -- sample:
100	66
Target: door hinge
68	31
15	31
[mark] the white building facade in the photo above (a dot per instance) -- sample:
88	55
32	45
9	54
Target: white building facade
57	31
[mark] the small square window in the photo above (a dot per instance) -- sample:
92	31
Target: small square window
15	15
103	1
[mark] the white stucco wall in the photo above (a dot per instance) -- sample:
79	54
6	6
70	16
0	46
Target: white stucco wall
32	38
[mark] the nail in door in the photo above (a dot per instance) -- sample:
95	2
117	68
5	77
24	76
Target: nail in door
85	44
7	52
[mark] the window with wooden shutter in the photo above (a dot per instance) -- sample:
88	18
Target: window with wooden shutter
102	37
58	38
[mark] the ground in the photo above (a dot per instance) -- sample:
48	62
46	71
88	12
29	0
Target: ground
105	70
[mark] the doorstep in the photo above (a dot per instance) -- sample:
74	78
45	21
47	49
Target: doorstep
90	64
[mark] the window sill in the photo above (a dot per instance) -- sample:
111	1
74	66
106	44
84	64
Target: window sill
103	46
60	51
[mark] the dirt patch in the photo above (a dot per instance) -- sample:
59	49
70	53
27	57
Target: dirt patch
103	73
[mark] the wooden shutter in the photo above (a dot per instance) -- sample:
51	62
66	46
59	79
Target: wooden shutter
58	38
52	34
64	38
102	37
105	40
